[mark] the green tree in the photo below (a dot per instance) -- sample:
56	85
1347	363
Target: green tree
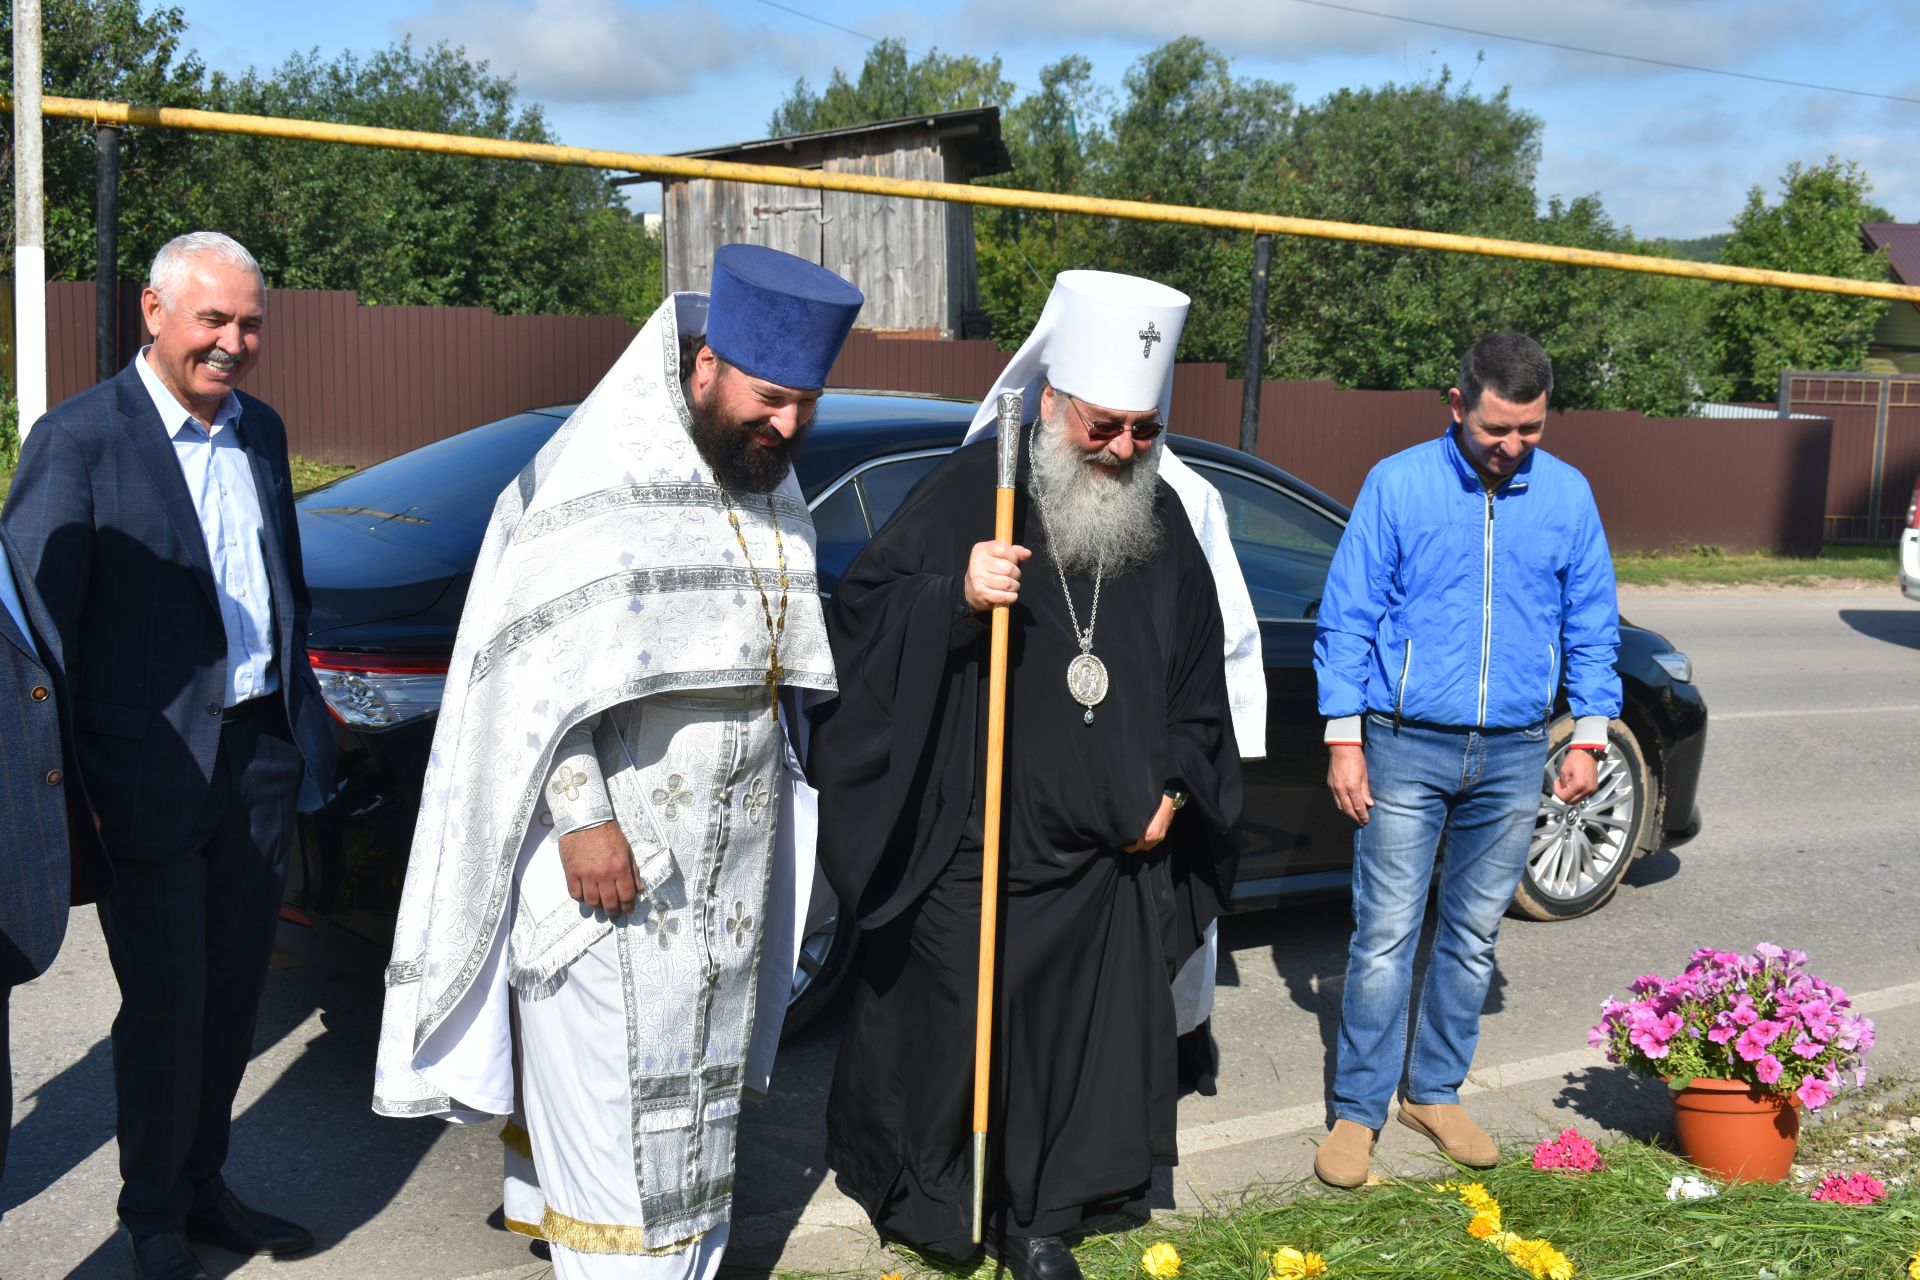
892	85
108	49
405	227
1814	228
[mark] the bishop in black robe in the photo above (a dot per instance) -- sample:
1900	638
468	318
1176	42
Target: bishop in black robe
1083	1092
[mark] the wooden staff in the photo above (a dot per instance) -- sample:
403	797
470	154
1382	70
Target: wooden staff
1008	413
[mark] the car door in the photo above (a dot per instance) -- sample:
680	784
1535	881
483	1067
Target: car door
1296	841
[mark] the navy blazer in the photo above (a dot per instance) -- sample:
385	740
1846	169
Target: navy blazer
44	825
102	513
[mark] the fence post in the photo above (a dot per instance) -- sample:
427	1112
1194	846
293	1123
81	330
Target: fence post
106	253
1253	376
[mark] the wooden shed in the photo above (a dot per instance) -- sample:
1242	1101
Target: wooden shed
914	259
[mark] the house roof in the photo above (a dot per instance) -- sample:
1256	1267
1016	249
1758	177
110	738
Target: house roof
1901	240
972	136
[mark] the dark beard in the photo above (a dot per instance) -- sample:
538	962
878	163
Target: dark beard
739	461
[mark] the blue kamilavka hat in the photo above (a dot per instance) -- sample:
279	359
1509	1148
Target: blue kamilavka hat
776	317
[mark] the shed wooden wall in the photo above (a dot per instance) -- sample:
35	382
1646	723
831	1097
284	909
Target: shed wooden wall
914	259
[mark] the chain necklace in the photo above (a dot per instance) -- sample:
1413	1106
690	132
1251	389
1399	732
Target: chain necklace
1086	674
775	629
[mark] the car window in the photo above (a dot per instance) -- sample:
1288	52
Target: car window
887	485
853	510
839	531
1284	545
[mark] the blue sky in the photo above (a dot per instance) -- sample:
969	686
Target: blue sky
1670	152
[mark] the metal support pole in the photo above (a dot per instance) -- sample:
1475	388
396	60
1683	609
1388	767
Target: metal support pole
1252	377
29	221
106	272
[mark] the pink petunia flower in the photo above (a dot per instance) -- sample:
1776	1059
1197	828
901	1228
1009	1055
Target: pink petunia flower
1814	1093
1850	1188
1569	1152
1767	1068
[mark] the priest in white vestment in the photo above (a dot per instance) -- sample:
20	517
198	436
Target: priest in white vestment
602	910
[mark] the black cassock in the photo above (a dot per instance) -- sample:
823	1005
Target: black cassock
1084	1091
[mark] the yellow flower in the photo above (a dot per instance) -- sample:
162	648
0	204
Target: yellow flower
1485	1224
1913	1266
1289	1263
890	1275
1475	1196
1161	1261
1540	1259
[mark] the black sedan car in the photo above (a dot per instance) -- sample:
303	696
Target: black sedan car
390	550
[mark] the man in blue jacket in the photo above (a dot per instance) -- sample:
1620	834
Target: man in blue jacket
155	516
1473	579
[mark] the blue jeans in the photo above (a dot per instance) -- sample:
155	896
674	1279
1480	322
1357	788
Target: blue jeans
1482	791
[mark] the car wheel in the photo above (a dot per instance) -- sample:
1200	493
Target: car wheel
824	956
1580	852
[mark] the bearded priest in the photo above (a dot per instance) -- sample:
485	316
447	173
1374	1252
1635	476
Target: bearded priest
598	929
1122	799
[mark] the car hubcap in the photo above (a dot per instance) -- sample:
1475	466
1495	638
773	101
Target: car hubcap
1578	847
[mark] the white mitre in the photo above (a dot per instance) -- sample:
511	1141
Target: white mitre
1109	339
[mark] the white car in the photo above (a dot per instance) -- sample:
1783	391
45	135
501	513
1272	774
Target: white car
1910	547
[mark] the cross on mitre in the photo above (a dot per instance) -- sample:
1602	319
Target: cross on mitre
1148	336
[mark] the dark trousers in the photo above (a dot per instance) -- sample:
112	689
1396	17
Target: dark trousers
189	934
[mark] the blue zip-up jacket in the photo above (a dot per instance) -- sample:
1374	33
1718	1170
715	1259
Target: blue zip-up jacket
1447	604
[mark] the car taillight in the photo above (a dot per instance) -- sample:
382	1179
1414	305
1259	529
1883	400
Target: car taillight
1913	508
377	691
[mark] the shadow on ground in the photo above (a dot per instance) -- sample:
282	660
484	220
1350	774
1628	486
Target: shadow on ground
1893	626
306	1148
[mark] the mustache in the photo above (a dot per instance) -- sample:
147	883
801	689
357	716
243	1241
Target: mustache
220	359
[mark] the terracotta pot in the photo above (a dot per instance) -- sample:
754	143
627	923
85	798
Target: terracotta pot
1736	1130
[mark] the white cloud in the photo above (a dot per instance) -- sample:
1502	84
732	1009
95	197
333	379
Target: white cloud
611	52
1690	125
1716	33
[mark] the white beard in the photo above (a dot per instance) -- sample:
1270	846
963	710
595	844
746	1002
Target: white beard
1095	518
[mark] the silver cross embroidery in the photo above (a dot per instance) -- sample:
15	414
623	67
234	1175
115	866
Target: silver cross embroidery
568	782
739	924
1149	336
672	796
757	800
662	925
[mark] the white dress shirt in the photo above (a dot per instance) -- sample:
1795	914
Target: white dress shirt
219	479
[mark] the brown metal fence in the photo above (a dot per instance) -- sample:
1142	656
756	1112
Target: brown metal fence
1739	484
359	384
1876	447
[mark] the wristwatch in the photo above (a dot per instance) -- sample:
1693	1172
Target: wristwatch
1598	753
1178	794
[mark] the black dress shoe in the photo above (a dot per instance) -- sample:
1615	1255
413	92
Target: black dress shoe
1035	1257
232	1225
165	1255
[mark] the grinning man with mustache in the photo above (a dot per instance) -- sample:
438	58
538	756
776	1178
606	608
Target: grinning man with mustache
156	516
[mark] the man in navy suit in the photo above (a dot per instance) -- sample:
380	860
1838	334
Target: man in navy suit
44	826
155	514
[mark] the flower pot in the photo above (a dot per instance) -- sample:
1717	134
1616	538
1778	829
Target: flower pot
1736	1130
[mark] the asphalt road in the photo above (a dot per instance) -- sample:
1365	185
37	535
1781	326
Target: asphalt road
1811	800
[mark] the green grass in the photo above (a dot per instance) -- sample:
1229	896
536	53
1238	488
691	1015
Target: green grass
306	475
1615	1224
1712	567
311	475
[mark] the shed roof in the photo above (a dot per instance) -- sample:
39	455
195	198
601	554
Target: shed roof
971	135
1901	240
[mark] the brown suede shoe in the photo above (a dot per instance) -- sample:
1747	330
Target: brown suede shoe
1342	1159
1453	1131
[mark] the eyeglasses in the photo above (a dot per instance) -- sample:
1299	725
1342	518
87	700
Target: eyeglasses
1142	432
